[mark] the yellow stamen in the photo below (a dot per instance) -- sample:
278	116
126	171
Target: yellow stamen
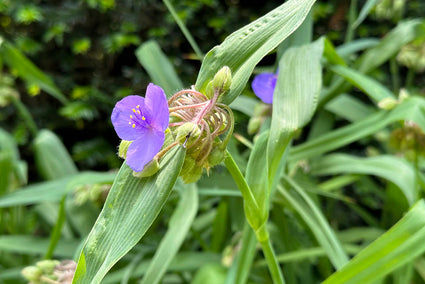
131	116
143	118
129	122
134	125
138	111
134	110
138	106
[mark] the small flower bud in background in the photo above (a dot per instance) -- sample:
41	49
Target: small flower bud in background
412	55
32	273
390	9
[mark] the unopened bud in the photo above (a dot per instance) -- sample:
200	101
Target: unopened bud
254	125
32	273
220	83
188	165
387	103
216	156
193	175
122	149
149	169
47	266
187	133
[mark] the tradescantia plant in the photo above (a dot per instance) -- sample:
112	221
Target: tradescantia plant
321	196
199	116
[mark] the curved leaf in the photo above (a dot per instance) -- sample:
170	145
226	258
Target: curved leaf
130	209
394	169
243	49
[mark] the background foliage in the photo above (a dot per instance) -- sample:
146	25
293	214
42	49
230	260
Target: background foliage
63	66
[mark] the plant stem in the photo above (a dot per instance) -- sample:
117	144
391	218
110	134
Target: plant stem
184	30
272	262
395	75
237	176
410	78
261	233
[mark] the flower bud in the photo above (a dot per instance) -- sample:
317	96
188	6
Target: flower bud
192	175
32	273
216	156
47	266
188	165
187	133
387	103
149	169
122	149
254	125
220	83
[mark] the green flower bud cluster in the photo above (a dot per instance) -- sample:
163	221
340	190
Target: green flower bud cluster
408	140
412	55
95	193
261	112
198	120
41	272
390	9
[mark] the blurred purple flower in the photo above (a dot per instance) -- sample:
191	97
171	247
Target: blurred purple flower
263	86
143	121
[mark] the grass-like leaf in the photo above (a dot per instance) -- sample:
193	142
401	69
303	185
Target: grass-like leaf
130	209
396	170
28	71
159	67
180	223
399	245
243	49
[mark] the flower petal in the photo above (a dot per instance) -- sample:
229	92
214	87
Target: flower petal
143	149
121	117
156	102
263	86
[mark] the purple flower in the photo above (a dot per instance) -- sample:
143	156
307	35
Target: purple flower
142	121
263	86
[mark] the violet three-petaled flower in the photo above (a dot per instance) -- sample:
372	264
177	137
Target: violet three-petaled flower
142	121
263	86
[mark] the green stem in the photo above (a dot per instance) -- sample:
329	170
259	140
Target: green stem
410	77
237	176
261	233
184	30
395	75
25	115
56	233
351	18
272	262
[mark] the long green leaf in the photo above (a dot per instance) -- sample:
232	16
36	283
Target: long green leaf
396	170
180	223
36	245
411	109
295	97
52	190
390	44
243	49
130	209
315	220
399	245
28	71
159	67
184	261
52	158
371	87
